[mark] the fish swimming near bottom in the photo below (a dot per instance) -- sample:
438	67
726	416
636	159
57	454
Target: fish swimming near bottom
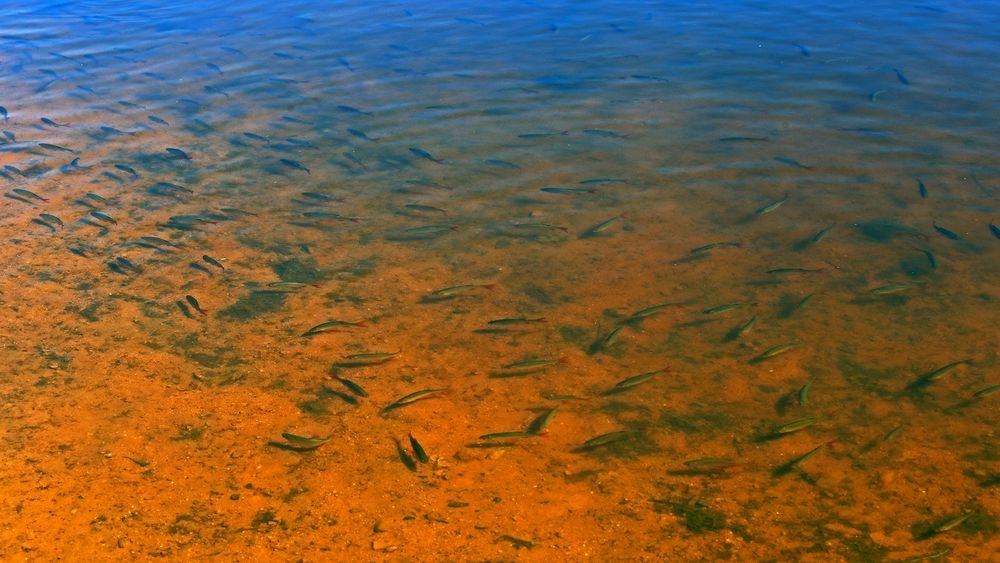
295	164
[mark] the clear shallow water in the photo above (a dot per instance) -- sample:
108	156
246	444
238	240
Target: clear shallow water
134	426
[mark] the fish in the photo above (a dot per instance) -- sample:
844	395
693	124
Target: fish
710	464
726	307
951	523
190	220
795	426
288	284
256	137
29	194
362	135
419	207
330	215
715	245
213	261
986	391
14	169
95	197
160	241
772	206
318	196
370	357
502	435
539	425
194	303
215	90
995	230
10	136
893	433
412	398
743	139
930	256
214	67
322	327
899	76
535	364
517	321
73	165
821	234
802	49
343	62
779	271
776	350
50	218
803	394
590	181
301	143
155	119
418	450
417	151
354	387
178	153
127	104
605	439
609	339
922	188
517	542
630	382
539	227
294	164
605	133
126	264
603	225
126	168
647	312
303	442
232	211
892	288
542	135
51	147
568	190
792	162
940	372
3	112
168	187
103	217
350	109
112	130
355	160
456	289
501	163
946	232
743	328
52	123
808	455
430	229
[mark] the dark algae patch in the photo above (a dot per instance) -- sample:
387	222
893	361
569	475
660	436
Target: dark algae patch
696	515
254	305
302	270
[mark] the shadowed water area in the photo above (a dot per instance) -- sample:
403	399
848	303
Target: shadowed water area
546	281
